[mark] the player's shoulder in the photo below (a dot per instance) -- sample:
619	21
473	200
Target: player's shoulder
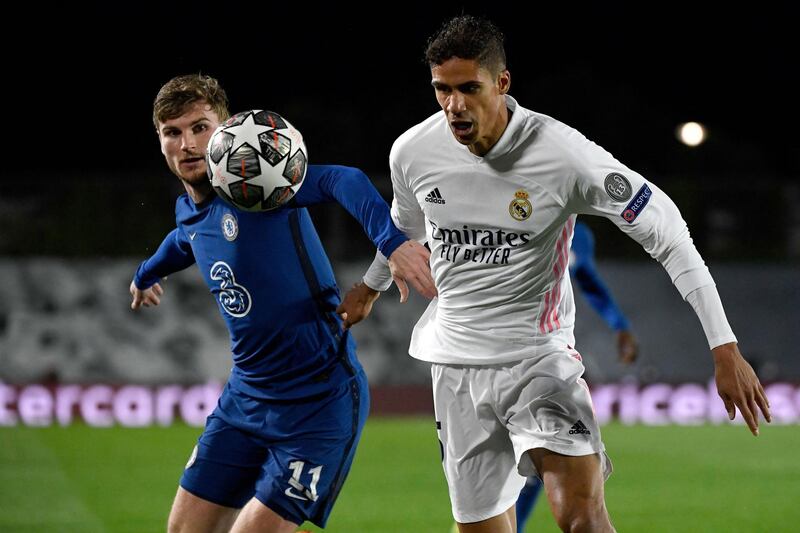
566	143
183	204
319	170
555	132
419	136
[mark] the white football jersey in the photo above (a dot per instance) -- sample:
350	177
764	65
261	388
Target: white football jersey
500	228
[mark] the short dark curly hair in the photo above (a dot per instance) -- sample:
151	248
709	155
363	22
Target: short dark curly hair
179	93
468	37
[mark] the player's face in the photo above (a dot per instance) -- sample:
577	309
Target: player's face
473	101
184	140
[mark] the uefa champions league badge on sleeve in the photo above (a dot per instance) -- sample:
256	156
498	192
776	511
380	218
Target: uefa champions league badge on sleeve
637	205
230	227
520	207
618	187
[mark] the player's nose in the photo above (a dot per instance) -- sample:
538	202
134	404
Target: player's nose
188	142
456	103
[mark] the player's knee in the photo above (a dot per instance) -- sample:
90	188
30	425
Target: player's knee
582	514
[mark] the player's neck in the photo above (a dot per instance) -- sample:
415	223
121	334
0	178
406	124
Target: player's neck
198	193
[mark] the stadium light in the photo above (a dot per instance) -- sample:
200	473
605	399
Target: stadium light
691	133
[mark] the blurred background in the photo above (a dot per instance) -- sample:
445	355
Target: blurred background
87	195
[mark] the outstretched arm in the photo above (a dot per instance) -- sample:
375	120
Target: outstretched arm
605	187
352	189
174	254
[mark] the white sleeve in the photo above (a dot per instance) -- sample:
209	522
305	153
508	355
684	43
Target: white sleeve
378	277
708	306
406	211
606	187
406	215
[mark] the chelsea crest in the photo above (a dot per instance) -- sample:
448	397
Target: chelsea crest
230	228
520	207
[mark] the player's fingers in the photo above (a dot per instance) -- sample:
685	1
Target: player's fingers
763	394
729	407
423	280
763	402
403	288
421	286
748	415
157	289
763	405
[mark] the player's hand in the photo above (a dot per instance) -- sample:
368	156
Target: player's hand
411	262
627	347
147	297
357	304
738	386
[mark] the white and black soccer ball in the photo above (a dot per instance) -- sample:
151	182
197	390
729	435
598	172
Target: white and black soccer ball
256	160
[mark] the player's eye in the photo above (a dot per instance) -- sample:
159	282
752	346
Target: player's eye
199	128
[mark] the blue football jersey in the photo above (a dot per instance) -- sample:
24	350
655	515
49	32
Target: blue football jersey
273	282
583	271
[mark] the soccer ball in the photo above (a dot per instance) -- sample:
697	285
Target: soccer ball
256	160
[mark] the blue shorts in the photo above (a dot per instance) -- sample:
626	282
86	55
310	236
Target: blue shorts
293	456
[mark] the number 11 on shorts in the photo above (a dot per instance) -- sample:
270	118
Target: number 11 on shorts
309	493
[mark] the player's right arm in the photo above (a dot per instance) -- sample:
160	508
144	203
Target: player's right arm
174	254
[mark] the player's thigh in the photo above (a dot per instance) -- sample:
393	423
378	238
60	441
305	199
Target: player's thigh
477	454
314	443
257	517
574	484
192	514
225	464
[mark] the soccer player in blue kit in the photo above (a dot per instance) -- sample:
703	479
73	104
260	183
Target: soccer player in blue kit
582	269
278	446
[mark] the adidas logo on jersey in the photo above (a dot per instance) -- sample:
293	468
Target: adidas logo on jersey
435	197
579	429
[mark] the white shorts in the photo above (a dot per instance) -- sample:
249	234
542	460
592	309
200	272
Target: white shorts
489	416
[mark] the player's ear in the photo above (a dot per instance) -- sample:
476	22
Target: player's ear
504	81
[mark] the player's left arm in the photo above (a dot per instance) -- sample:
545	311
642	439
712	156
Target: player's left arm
353	190
605	187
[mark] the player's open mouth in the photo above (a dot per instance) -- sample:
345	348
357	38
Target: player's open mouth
191	160
461	128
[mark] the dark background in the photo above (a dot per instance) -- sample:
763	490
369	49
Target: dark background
86	177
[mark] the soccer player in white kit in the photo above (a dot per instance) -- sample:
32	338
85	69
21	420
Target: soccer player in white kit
494	189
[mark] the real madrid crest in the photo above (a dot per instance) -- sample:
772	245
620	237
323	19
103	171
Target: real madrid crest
230	227
520	207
